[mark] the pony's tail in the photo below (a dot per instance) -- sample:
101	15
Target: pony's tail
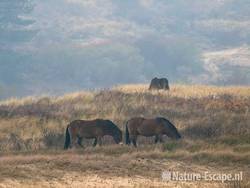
127	134
67	139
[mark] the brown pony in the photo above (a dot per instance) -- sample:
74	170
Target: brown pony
150	127
159	83
93	129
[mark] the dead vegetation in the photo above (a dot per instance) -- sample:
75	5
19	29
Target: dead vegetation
200	112
214	122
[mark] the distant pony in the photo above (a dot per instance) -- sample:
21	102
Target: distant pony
93	129
159	83
149	127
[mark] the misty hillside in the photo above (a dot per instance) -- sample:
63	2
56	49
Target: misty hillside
59	46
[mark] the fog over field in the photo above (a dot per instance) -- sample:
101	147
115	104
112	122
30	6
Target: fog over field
59	46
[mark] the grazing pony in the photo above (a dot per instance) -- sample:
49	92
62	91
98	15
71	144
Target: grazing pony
159	83
150	127
92	129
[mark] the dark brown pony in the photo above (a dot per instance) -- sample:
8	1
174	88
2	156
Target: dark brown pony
93	129
159	83
150	127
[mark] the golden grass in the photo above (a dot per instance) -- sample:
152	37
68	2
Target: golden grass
198	111
214	122
187	91
177	90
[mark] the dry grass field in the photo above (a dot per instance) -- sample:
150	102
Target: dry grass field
214	123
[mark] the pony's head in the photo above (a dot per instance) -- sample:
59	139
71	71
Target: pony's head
116	132
118	136
171	130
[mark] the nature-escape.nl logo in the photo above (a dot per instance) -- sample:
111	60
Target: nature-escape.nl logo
206	176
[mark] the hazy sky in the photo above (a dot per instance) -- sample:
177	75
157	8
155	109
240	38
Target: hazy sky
58	46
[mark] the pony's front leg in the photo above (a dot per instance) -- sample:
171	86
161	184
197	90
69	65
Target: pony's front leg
95	142
160	139
99	140
156	139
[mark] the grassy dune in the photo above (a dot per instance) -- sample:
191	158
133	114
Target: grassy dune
214	122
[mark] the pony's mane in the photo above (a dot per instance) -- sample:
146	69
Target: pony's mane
111	124
164	119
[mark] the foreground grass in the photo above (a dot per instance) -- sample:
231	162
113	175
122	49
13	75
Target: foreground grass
115	166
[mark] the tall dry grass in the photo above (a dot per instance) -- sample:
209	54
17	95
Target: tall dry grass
214	123
208	115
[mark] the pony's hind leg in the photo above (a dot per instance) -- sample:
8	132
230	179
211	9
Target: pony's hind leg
133	138
134	142
79	141
74	141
